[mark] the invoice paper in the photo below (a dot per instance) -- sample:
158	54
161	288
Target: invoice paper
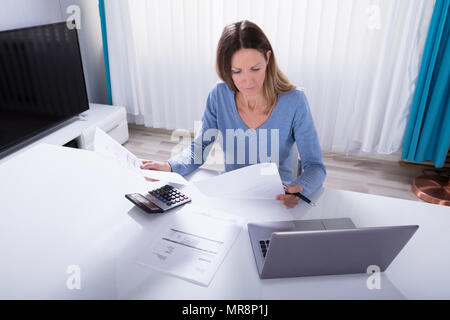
107	146
258	181
193	245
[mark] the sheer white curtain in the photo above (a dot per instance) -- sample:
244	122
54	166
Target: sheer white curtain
358	60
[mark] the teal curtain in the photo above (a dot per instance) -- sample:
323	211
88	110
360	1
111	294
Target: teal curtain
101	7
427	136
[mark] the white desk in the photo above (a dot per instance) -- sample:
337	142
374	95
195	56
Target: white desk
62	207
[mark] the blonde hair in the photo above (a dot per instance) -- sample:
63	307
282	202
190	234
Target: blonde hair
247	35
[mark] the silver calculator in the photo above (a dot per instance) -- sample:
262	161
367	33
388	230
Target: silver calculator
168	197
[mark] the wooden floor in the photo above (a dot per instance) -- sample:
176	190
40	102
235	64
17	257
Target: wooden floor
380	176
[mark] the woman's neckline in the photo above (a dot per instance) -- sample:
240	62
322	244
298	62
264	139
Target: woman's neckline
242	121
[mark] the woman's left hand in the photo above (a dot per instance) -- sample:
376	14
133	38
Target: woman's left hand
289	200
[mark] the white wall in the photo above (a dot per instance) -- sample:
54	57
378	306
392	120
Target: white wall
24	13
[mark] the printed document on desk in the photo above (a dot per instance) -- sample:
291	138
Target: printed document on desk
258	181
107	146
193	245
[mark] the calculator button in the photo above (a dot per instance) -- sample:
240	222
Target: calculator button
169	196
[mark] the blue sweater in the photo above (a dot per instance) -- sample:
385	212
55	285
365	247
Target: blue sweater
289	122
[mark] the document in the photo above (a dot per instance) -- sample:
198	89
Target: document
193	245
259	181
172	177
107	146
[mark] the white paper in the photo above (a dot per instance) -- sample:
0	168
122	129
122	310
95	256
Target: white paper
193	245
172	177
107	146
259	181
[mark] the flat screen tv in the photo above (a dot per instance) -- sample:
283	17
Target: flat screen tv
41	82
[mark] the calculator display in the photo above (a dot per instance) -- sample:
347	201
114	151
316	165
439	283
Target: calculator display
145	201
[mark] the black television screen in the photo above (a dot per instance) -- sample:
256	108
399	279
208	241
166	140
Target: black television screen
41	81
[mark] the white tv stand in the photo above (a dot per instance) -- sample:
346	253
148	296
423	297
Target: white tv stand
111	119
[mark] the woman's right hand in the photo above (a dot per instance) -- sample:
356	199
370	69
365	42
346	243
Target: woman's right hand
156	165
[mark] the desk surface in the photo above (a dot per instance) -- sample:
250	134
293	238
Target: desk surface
62	207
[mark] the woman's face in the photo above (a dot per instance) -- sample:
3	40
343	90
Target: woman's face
248	70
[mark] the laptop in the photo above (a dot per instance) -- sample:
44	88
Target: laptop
323	247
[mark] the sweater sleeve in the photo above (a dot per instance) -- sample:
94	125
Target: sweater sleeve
194	156
305	136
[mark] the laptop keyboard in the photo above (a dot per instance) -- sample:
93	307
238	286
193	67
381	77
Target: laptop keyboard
264	246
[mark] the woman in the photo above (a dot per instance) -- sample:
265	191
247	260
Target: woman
257	106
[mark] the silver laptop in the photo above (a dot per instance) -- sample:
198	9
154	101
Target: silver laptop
323	247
